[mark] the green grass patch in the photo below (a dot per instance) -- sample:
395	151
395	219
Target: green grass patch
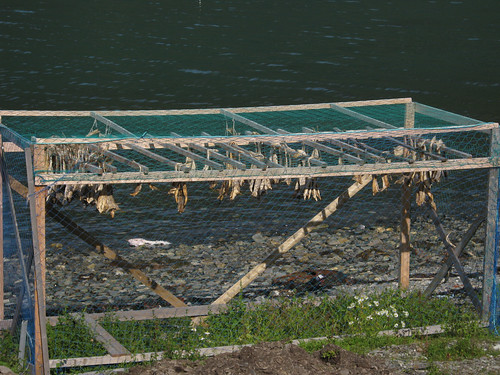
358	318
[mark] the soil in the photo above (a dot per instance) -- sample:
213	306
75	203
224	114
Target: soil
287	359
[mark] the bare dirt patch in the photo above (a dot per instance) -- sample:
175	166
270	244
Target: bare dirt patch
273	359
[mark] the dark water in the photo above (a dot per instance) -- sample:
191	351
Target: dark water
199	53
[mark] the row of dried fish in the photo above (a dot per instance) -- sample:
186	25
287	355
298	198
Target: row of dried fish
100	196
72	158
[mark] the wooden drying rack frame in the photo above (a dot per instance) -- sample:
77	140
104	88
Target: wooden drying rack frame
38	180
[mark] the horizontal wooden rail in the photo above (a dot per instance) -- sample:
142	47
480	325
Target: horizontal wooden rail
287	172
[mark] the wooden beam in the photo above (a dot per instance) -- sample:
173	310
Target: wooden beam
109	253
173	112
193	156
448	150
14	137
137	148
116	259
404	243
2	279
448	263
251	123
293	240
409	115
444	115
37	197
287	172
329	150
119	158
292	138
384	154
469	289
270	131
157	313
114	348
492	224
234	149
349	147
417	150
91	168
359	116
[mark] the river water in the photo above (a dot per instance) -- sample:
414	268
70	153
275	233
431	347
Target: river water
116	54
133	54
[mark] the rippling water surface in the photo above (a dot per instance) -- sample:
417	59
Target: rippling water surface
198	53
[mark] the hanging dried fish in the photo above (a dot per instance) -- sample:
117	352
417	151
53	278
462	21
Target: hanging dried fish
375	187
105	202
137	190
385	182
236	189
180	193
225	189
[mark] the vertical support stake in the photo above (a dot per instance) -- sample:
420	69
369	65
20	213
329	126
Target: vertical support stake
37	212
404	243
404	246
2	307
492	223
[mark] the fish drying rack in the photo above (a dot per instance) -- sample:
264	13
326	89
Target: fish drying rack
81	155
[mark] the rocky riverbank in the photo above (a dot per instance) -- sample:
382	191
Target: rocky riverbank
354	259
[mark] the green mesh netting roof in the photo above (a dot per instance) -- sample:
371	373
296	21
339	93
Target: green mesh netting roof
217	124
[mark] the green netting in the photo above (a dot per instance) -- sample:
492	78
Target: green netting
217	124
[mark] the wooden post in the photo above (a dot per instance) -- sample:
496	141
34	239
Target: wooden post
37	197
404	245
490	251
2	308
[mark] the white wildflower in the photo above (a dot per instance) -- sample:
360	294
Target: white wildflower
375	303
369	317
351	306
396	325
351	323
406	314
396	315
403	325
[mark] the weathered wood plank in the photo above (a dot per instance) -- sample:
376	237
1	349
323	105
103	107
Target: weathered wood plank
292	240
36	196
270	131
119	158
292	138
458	251
351	148
444	115
404	243
493	221
2	307
114	348
203	111
469	289
109	253
193	156
330	150
287	172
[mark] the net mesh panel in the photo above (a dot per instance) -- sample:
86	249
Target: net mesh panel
14	281
199	254
321	120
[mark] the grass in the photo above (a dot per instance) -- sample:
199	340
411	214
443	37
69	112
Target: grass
358	318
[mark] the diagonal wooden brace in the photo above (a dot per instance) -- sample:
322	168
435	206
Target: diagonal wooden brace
293	240
458	266
116	259
448	263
